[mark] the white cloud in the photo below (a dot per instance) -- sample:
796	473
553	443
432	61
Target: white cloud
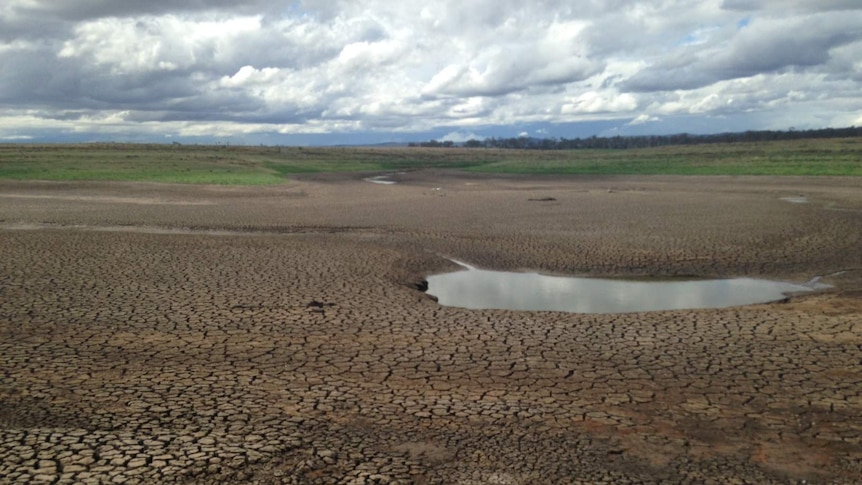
791	5
249	75
600	102
328	66
151	44
643	118
460	136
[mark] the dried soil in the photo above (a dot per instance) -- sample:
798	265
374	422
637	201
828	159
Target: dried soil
197	334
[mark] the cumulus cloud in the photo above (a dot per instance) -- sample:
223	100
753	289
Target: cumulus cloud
460	136
803	5
762	46
337	66
643	118
76	10
534	55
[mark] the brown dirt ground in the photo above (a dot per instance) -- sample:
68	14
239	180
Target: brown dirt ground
162	333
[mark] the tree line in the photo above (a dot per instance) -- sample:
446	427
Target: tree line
628	142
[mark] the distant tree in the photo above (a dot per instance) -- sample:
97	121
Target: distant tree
627	142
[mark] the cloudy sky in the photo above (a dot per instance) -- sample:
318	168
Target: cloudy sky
367	71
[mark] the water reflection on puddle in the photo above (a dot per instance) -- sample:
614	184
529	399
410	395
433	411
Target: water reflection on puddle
380	179
483	289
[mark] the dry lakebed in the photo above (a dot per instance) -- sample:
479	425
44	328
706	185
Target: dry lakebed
197	334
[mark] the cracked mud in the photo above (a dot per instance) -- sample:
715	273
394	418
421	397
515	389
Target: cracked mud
173	334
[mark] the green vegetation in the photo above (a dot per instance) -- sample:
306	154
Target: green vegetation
150	163
272	165
838	157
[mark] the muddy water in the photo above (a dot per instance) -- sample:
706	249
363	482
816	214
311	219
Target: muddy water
482	289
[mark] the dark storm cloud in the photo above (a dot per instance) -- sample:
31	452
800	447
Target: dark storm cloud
759	48
32	76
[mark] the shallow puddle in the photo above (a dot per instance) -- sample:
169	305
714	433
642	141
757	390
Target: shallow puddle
482	289
796	199
380	179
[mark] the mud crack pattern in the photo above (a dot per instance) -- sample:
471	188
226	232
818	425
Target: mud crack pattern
261	336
